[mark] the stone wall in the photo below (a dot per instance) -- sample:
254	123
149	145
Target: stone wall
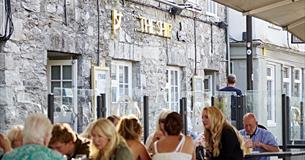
41	27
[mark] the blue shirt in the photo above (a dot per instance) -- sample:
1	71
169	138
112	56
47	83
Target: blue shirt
33	152
263	136
232	89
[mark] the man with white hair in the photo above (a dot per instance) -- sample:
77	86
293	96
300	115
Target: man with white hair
258	139
37	134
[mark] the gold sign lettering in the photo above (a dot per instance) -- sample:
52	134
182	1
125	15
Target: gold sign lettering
116	18
154	27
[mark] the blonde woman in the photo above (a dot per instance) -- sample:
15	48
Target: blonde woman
36	137
223	141
159	131
131	129
107	143
15	135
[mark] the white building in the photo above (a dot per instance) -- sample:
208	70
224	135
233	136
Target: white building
278	67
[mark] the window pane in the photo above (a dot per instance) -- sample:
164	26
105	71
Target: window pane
296	74
166	73
55	72
176	94
126	90
67	84
176	78
121	90
269	99
172	78
167	95
54	85
113	94
172	94
286	72
296	89
113	72
121	74
286	88
126	74
67	72
268	71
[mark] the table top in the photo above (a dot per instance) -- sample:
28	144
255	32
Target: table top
278	154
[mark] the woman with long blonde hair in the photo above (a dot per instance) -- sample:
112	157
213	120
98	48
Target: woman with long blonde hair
107	143
223	141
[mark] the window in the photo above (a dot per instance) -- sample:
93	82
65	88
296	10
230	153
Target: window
297	85
211	8
271	95
286	80
62	82
208	89
173	87
121	81
2	17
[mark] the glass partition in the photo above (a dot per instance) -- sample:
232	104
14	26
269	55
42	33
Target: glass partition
74	110
296	119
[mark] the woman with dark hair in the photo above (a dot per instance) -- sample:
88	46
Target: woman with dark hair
174	145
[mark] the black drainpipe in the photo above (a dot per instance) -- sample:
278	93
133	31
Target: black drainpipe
98	32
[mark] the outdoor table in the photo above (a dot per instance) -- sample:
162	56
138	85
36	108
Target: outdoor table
280	154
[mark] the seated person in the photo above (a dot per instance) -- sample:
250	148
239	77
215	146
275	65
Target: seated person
107	143
261	139
36	137
66	141
174	145
130	128
5	145
15	135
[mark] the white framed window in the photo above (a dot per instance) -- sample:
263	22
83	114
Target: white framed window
2	17
121	80
208	89
270	95
297	83
173	76
211	8
62	82
287	80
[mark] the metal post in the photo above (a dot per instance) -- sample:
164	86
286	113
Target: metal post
212	100
51	107
101	105
103	109
249	53
284	122
146	117
239	112
98	106
302	120
288	108
185	114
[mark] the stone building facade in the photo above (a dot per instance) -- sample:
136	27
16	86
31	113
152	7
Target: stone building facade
55	45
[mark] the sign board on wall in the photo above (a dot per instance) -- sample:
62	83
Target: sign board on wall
100	79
